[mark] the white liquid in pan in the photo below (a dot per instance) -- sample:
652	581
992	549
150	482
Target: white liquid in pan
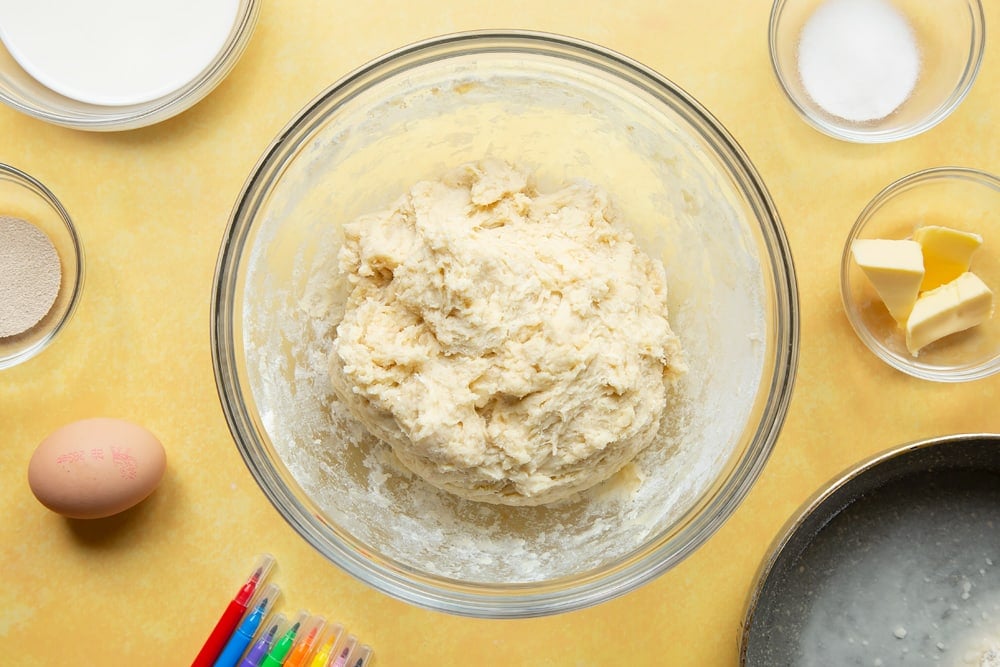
909	575
115	52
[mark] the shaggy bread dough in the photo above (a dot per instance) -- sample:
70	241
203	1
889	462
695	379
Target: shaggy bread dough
511	346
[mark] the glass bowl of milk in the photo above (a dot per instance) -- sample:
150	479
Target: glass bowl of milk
875	71
117	64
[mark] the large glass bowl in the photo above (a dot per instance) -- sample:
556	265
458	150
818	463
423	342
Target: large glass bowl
567	109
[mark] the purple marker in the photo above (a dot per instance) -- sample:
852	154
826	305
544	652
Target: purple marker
263	645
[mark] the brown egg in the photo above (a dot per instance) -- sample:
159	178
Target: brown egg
96	467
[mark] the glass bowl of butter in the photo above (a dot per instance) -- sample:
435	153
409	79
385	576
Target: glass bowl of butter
572	112
920	272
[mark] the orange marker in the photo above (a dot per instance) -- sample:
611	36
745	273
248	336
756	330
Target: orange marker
304	647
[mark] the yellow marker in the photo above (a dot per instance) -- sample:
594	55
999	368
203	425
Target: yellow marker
895	269
326	645
947	253
956	306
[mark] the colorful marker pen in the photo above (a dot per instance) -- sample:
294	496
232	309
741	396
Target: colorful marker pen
361	657
304	647
263	644
241	639
344	651
276	656
331	637
234	612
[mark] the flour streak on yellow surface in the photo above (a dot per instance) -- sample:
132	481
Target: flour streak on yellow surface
145	587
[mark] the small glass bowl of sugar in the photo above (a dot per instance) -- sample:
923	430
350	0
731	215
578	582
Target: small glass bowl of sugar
41	267
875	71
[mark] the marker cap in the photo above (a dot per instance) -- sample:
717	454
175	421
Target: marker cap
361	656
268	597
326	642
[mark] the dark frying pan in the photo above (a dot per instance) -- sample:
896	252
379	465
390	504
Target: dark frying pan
895	562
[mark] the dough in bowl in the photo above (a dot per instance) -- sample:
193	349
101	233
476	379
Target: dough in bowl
511	346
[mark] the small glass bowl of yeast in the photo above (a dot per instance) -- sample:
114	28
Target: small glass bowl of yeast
954	198
36	234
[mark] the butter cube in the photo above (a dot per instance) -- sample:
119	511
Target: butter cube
955	306
947	253
895	269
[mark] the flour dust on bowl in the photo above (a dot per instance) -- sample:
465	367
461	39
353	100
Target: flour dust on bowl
566	110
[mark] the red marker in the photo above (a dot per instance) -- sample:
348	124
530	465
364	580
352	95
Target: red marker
234	612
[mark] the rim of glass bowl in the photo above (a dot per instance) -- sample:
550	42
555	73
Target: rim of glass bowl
977	47
99	118
537	598
899	186
29	182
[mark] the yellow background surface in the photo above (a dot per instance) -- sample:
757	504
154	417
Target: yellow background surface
145	588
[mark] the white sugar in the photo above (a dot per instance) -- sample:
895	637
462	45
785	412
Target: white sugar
858	59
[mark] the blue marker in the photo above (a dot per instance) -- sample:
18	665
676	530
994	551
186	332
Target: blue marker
241	638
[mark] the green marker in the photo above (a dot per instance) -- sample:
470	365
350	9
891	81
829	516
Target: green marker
281	648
